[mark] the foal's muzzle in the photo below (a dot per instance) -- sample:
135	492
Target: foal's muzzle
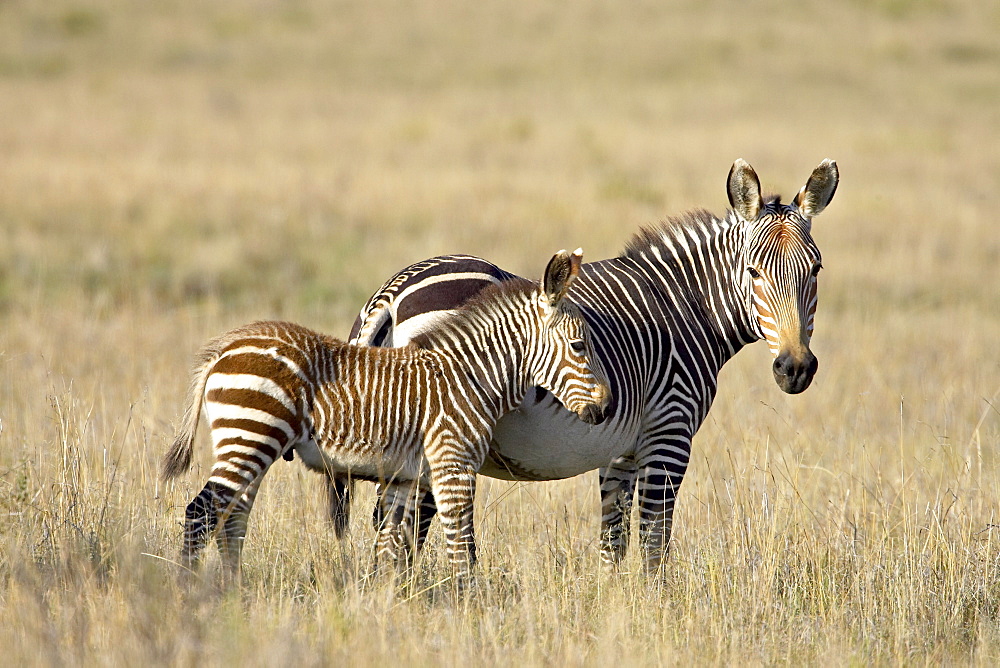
597	412
593	414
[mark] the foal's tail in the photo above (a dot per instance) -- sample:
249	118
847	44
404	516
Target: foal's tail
178	459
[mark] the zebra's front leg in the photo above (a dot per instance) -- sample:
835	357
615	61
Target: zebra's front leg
617	488
454	489
659	480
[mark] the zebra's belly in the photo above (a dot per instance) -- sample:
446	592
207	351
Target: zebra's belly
364	464
544	441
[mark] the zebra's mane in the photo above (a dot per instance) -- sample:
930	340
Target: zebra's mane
700	223
483	303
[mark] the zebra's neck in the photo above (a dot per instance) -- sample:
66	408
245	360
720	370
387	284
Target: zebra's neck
699	263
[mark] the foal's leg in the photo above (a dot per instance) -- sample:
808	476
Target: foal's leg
228	497
391	545
234	529
420	510
200	520
213	503
406	513
453	482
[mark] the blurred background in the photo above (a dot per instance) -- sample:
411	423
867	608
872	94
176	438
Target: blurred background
292	154
169	170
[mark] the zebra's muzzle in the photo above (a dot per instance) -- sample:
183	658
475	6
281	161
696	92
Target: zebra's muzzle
593	414
794	376
597	412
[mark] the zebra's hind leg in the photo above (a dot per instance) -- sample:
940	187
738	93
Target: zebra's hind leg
201	517
617	488
201	521
234	529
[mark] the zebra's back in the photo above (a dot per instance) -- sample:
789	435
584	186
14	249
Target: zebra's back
416	298
340	407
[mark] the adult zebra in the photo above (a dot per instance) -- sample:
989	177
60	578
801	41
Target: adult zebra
666	315
420	416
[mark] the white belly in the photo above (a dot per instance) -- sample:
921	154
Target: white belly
544	441
413	466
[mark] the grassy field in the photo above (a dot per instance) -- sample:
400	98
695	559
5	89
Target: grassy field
169	170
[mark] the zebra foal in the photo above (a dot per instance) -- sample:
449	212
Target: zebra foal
420	417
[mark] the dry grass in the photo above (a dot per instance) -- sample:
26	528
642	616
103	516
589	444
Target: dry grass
172	169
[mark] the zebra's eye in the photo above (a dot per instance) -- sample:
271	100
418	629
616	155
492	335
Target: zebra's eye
578	347
816	268
753	272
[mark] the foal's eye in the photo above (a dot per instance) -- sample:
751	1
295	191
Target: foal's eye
577	346
816	268
753	272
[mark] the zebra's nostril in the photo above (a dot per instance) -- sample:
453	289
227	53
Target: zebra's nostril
782	365
602	414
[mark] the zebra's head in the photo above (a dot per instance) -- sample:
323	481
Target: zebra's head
779	265
567	366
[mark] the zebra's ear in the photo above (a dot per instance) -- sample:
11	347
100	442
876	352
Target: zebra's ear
560	274
818	190
744	190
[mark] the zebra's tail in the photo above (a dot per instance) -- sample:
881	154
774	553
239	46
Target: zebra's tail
372	325
178	458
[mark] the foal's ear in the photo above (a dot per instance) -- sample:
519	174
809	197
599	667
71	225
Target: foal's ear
560	274
743	187
818	190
